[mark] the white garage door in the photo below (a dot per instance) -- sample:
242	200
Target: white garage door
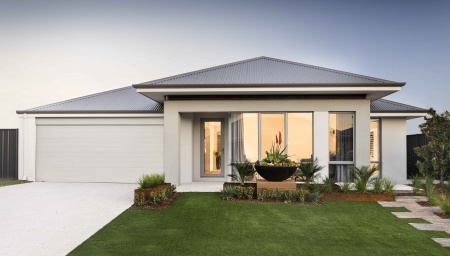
98	149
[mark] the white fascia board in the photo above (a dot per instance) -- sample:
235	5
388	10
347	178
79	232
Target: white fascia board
372	93
92	115
407	115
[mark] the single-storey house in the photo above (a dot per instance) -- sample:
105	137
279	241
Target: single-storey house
191	126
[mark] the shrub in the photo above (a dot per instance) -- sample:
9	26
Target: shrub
432	195
444	203
363	177
378	185
346	187
228	192
289	196
265	193
301	195
328	184
388	185
276	194
241	170
309	170
239	192
151	181
315	196
429	182
416	184
248	192
446	186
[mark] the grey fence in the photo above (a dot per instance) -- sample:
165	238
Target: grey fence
413	141
9	145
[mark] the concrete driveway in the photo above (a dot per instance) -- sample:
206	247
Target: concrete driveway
43	218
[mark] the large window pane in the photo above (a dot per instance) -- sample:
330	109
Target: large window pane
341	137
299	143
244	137
271	126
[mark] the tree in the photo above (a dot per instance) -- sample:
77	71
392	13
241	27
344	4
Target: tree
436	154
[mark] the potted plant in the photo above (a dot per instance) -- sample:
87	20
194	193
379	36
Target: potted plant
276	166
218	156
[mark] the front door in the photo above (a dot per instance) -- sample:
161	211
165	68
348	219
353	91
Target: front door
212	148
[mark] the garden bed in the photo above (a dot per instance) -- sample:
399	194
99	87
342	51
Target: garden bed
164	205
357	197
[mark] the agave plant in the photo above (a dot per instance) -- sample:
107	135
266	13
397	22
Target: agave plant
309	170
363	177
241	170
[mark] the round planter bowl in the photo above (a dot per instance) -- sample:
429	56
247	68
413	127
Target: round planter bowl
275	173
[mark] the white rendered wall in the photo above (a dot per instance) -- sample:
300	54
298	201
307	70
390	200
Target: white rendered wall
321	108
393	149
186	147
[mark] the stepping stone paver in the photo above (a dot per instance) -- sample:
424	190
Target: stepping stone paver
418	211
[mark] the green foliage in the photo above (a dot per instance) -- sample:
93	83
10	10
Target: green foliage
228	192
241	170
315	195
416	184
436	154
276	156
432	195
429	183
265	193
378	185
309	170
139	199
151	181
301	195
346	187
276	194
289	196
388	185
328	184
363	177
443	201
446	186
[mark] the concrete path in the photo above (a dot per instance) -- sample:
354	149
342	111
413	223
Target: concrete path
53	218
426	213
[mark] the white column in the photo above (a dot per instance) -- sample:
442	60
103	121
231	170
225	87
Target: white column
320	138
172	152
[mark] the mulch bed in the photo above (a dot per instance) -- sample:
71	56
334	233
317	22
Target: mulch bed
425	204
443	216
166	204
357	197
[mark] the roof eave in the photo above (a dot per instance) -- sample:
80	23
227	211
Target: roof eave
19	112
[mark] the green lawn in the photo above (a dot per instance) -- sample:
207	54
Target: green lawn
8	182
202	224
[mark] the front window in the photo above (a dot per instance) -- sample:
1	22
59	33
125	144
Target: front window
375	144
252	134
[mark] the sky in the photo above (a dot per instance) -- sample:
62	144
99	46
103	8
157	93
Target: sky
57	50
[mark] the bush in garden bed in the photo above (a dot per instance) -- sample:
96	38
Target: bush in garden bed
154	196
151	181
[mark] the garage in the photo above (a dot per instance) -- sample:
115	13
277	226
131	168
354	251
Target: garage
98	149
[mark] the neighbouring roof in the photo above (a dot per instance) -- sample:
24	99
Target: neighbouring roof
264	71
122	100
384	106
127	100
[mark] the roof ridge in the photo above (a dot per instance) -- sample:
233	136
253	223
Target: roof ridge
79	98
183	75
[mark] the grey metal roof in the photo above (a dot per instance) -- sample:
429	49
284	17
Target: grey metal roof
122	100
264	70
127	100
382	106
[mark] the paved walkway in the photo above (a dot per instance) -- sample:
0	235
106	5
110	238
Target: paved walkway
418	211
43	218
